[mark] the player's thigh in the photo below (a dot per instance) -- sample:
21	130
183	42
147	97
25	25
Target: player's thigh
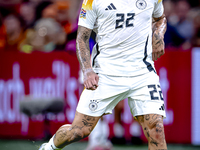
84	123
146	96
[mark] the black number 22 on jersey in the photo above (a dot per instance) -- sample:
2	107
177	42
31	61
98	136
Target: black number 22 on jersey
121	18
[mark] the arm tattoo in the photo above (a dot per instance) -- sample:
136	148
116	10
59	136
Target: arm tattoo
160	25
160	41
82	47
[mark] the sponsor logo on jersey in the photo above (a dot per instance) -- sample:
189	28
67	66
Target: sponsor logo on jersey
141	4
159	1
111	7
93	105
83	13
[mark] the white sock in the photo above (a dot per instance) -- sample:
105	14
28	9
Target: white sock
50	145
99	135
95	135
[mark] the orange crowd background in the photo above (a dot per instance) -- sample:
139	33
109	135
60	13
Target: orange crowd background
51	25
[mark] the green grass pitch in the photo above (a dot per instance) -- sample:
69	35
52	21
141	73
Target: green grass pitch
34	145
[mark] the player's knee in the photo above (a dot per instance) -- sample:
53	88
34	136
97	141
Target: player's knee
154	132
86	133
79	134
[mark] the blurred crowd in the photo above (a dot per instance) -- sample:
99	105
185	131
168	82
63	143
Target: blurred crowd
38	25
51	25
183	26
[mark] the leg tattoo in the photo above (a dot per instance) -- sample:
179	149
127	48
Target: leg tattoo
154	131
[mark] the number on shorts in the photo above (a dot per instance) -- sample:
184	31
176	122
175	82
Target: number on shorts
154	91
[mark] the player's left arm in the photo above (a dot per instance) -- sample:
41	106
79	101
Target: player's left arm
159	29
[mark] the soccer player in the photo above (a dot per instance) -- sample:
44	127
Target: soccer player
122	67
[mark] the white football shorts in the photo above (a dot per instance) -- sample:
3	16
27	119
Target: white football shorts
143	92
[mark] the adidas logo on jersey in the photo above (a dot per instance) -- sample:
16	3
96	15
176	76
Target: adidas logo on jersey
111	7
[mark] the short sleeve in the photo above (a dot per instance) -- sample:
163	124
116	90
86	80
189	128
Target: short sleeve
87	15
158	9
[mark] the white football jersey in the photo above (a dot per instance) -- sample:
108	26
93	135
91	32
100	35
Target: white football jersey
124	34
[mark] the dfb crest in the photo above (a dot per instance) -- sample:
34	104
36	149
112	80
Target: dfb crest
141	4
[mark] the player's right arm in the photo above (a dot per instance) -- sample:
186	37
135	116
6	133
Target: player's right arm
83	54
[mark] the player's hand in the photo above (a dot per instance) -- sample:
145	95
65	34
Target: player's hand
91	79
158	46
